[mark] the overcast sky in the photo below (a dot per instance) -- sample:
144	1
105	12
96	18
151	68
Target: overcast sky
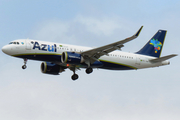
146	94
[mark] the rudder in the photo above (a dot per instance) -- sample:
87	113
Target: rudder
155	44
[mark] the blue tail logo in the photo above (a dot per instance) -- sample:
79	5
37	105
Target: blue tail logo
154	46
157	45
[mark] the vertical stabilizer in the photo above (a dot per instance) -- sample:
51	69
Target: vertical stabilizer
155	44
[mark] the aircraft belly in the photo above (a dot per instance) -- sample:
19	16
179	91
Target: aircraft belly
118	63
40	57
112	63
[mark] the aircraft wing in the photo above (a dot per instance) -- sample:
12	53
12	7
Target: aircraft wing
96	53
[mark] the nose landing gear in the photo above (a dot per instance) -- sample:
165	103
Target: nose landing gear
25	62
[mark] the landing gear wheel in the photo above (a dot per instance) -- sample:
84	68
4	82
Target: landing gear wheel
74	77
24	67
89	70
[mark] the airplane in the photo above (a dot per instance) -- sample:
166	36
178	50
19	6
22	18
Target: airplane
57	57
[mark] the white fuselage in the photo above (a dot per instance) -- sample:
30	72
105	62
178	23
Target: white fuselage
26	47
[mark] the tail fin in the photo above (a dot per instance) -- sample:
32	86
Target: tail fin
155	44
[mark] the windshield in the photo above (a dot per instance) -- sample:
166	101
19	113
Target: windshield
14	43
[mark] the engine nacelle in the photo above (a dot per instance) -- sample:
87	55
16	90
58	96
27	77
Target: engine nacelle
72	58
51	68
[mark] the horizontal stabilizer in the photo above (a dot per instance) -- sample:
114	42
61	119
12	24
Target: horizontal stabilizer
163	58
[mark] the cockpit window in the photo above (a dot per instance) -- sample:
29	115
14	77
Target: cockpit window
14	43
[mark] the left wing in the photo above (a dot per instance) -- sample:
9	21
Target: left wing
90	56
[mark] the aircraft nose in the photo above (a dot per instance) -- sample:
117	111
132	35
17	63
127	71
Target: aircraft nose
5	49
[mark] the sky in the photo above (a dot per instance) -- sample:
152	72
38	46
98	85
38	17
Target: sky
129	95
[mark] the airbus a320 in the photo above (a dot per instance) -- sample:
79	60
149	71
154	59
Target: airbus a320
57	57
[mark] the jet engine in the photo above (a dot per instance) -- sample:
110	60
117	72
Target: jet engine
71	58
51	68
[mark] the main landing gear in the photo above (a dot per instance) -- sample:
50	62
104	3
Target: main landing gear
89	70
74	76
25	62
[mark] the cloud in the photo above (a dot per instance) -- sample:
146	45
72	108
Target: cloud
82	30
51	30
102	26
128	95
102	95
51	100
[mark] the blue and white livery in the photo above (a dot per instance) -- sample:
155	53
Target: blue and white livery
57	57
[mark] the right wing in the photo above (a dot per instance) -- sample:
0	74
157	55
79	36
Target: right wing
94	54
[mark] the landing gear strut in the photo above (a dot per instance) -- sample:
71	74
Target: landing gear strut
89	70
74	76
25	62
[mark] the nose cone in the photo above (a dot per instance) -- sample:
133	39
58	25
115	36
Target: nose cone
6	49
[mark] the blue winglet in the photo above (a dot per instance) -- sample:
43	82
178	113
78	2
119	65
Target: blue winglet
137	34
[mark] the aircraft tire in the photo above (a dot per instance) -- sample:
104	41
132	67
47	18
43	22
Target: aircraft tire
24	67
74	77
89	70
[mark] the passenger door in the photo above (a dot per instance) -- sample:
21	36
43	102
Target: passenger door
138	60
28	45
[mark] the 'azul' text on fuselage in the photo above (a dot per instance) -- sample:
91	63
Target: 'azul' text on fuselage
45	47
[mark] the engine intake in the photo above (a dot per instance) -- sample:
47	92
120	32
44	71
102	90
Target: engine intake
51	68
72	58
